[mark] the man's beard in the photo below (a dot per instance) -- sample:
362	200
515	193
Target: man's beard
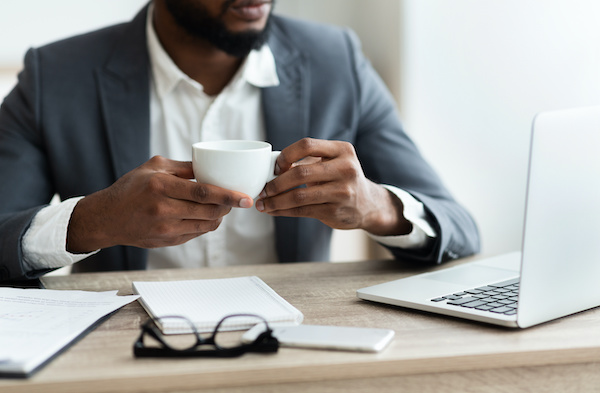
194	18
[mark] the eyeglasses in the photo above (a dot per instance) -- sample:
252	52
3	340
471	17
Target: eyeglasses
221	343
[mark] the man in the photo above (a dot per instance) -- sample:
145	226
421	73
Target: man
89	112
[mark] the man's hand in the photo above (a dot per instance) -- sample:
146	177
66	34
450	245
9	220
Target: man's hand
336	193
154	205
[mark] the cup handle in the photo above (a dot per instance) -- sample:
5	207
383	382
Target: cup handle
272	175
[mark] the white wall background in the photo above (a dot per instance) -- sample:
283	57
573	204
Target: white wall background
474	75
469	75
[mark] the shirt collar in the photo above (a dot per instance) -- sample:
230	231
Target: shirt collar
258	69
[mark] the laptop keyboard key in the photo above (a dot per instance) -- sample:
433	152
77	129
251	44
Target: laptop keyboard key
473	304
458	302
506	302
502	310
485	288
500	298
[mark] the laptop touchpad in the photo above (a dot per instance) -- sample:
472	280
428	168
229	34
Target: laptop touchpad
471	275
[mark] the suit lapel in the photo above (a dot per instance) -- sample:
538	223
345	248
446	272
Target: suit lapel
286	109
125	98
124	89
286	106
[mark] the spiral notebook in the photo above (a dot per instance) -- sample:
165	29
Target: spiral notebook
206	302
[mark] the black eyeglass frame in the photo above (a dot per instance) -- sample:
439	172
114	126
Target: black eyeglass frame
265	342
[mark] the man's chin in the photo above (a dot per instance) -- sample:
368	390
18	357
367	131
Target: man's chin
231	32
240	44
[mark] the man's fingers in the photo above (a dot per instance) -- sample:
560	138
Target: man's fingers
320	172
306	196
176	209
182	169
330	214
205	193
312	148
185	231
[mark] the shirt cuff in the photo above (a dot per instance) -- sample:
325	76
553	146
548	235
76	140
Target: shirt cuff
45	242
414	212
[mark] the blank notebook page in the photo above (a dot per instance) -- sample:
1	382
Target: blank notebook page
206	302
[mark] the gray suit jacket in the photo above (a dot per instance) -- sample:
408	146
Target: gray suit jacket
78	119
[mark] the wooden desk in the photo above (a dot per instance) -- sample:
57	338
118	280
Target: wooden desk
429	354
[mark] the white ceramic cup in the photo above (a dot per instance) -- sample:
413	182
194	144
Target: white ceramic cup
238	165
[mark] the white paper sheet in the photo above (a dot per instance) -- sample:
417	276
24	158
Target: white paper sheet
35	324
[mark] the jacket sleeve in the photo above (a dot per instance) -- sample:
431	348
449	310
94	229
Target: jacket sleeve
25	185
389	156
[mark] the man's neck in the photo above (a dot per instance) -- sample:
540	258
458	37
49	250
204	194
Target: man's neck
197	58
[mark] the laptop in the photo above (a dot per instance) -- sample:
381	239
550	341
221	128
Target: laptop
557	271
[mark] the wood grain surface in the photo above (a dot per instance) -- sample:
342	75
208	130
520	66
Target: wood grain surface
430	353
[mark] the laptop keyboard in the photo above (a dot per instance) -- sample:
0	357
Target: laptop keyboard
499	298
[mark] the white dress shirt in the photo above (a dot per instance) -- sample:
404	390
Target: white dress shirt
182	114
